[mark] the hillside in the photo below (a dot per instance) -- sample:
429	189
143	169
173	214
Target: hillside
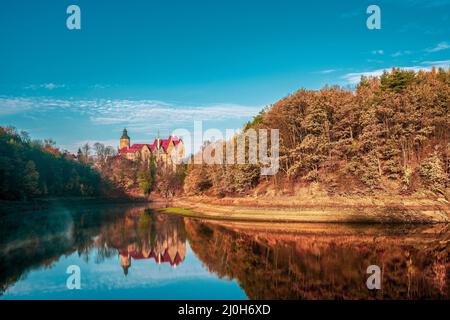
389	137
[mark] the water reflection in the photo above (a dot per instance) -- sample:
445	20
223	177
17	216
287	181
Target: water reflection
277	261
325	261
29	242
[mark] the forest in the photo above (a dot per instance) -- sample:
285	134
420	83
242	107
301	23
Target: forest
388	135
32	168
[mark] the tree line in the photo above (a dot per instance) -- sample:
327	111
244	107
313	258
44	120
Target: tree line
35	168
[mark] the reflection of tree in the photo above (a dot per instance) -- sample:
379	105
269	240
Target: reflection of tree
329	265
31	241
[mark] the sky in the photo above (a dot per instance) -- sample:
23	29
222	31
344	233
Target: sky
155	66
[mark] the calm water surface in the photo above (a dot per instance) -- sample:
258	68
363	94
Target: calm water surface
137	253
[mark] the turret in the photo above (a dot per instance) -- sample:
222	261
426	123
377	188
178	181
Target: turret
124	140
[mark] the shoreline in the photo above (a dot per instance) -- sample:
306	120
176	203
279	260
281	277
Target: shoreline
362	210
324	211
46	203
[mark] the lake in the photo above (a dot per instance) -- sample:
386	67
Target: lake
135	252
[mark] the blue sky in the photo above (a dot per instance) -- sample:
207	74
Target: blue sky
151	65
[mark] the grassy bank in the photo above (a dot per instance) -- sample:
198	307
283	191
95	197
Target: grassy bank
320	210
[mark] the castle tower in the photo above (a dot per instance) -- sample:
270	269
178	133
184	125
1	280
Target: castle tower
125	261
124	140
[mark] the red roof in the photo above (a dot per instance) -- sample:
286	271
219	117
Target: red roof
139	146
152	146
135	147
164	258
177	259
164	144
125	150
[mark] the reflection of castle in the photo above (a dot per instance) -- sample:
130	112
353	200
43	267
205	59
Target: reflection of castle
168	247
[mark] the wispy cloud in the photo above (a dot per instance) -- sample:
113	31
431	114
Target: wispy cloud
47	86
327	71
379	52
401	53
14	105
439	47
438	64
137	114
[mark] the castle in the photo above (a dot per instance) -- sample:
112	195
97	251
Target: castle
164	151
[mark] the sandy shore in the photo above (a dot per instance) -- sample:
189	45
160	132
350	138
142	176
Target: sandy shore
331	210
